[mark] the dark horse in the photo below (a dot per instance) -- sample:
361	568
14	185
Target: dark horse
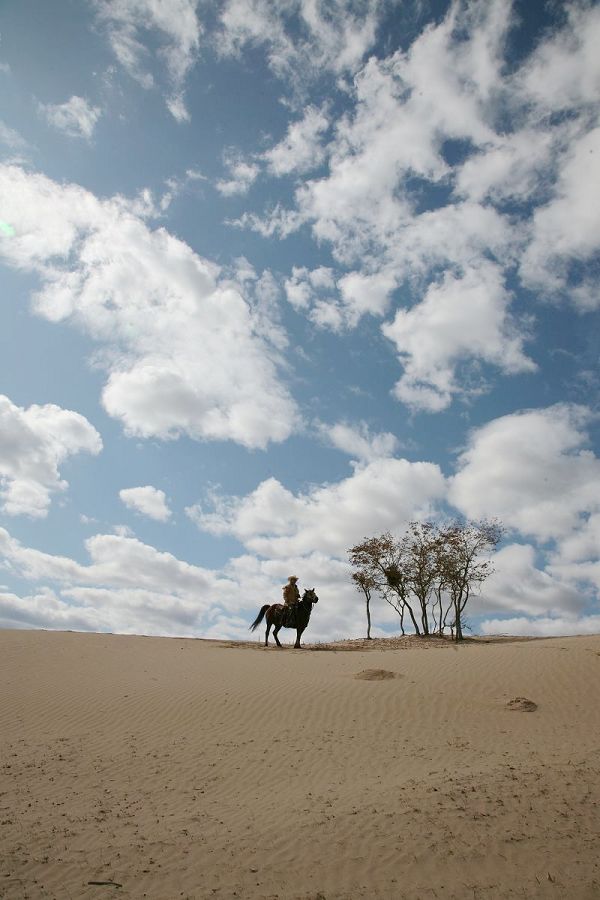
281	616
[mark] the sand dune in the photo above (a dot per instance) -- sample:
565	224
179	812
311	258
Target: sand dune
167	768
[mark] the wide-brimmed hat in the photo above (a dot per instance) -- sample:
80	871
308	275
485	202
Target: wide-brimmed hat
293	578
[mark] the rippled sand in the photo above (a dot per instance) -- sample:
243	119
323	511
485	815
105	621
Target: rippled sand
167	768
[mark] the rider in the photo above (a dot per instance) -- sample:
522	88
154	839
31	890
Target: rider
291	594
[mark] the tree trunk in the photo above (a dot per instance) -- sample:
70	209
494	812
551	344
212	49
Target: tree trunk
458	622
414	621
424	619
368	619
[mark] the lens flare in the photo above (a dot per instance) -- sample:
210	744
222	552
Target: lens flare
6	229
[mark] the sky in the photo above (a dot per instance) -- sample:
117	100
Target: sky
278	275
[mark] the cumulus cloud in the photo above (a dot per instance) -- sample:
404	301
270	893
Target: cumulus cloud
304	283
301	149
76	116
577	557
147	500
43	608
117	561
11	138
338	303
315	291
34	441
130	587
185	354
177	27
543	626
272	521
406	106
517	584
450	85
563	72
514	166
460	318
302	38
365	292
566	231
242	174
532	470
515	184
357	440
127	587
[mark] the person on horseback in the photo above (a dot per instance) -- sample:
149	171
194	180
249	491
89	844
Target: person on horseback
291	597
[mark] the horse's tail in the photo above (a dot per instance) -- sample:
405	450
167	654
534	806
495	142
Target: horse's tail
260	616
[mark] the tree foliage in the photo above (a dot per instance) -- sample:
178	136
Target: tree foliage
429	573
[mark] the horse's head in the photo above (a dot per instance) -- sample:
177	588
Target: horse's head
310	596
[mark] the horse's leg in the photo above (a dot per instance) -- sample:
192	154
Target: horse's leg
269	623
275	633
298	636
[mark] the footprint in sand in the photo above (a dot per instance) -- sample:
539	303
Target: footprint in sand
375	675
522	704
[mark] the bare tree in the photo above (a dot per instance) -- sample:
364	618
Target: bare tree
422	556
383	558
365	583
430	572
461	569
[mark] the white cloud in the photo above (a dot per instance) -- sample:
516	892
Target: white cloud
448	113
76	117
461	318
512	167
544	626
177	26
242	174
281	222
298	289
12	138
583	544
45	609
147	500
531	470
563	72
301	149
567	229
358	442
338	305
364	292
123	531
273	522
303	287
185	354
316	293
130	587
33	444
577	557
176	186
405	107
117	561
303	38
518	585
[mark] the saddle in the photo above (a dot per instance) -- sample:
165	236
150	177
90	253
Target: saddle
289	616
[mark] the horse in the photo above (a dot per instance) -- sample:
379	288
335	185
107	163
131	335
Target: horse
279	616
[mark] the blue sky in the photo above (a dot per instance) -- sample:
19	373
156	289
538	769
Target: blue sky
280	274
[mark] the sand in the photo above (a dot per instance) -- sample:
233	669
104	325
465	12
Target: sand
168	768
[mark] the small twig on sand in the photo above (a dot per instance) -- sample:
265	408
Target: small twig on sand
110	883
